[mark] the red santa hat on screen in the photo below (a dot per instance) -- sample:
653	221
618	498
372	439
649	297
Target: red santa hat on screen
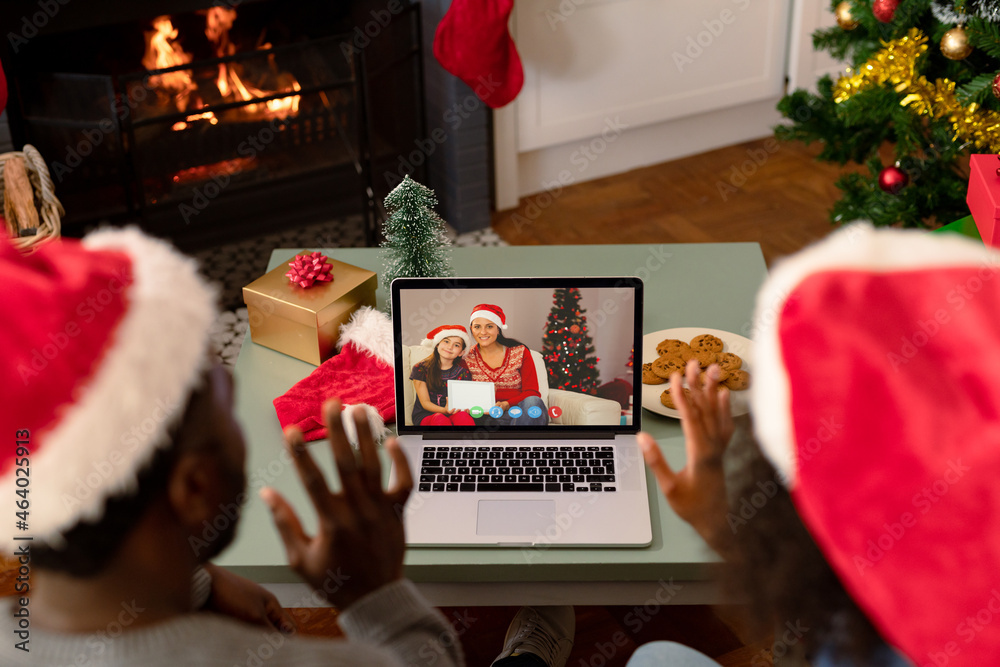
490	312
103	342
435	336
876	396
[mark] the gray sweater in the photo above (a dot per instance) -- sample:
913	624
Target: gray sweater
391	626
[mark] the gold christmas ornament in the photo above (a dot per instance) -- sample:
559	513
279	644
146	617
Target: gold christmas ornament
896	66
844	18
955	44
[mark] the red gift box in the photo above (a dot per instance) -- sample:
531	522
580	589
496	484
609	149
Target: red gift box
984	196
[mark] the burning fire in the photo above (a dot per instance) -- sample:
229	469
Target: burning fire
164	51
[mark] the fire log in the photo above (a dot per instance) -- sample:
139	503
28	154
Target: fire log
19	198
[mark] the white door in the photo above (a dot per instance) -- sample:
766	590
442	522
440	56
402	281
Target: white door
805	64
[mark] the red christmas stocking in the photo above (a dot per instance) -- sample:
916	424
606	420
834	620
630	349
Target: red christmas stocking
473	43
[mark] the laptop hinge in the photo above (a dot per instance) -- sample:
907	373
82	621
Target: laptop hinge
545	435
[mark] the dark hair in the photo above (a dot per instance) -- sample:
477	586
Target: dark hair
779	568
432	368
507	342
91	545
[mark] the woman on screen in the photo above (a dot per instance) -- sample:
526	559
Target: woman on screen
430	377
508	365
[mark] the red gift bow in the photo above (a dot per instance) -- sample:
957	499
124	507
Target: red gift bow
310	269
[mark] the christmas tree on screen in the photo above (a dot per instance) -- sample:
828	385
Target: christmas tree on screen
921	93
415	244
567	348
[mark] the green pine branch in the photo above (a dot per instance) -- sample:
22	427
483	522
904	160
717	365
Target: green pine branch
984	36
976	91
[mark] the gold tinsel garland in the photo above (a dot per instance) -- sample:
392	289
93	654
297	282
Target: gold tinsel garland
896	65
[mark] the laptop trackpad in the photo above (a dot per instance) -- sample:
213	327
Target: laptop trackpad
514	517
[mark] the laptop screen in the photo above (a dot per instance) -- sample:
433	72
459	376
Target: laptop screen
507	355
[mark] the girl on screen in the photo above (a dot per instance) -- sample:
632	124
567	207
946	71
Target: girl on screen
430	377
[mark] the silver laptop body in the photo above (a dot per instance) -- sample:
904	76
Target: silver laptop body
578	480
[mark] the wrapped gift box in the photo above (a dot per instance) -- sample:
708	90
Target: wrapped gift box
304	322
984	196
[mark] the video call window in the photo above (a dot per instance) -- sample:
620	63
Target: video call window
520	363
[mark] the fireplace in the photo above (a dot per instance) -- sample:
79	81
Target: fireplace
208	121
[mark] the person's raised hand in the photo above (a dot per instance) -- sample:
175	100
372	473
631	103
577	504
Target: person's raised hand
359	543
697	492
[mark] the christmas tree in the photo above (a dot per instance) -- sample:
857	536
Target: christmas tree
567	347
924	85
415	244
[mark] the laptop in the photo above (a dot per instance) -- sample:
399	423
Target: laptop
566	472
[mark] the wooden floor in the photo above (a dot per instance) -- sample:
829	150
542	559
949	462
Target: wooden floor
763	191
780	200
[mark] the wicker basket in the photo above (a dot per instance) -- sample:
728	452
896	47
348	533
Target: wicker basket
50	212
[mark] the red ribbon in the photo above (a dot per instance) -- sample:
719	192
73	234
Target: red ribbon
307	270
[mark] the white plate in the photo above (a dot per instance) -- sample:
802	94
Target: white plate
734	343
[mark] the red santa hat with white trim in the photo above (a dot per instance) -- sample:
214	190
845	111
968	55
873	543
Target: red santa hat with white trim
877	397
435	336
103	340
490	312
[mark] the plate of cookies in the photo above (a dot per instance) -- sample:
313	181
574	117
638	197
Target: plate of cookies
669	350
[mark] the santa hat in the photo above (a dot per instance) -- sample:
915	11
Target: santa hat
876	397
435	336
103	340
360	375
490	312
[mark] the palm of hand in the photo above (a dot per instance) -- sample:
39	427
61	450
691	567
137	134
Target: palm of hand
698	491
359	543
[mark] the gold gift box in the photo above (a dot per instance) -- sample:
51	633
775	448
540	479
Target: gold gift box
304	322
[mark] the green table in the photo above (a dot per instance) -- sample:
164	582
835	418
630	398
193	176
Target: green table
702	285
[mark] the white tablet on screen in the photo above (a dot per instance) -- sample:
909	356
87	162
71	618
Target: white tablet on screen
465	394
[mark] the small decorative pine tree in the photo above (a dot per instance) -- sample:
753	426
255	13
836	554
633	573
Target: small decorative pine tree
567	348
415	244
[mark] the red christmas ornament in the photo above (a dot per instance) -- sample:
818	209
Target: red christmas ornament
996	86
574	329
309	269
892	180
885	10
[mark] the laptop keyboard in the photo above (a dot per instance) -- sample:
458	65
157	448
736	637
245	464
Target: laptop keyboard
549	469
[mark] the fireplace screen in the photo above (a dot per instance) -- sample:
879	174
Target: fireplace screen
242	120
245	137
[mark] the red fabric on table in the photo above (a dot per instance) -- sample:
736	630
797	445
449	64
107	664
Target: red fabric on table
354	376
